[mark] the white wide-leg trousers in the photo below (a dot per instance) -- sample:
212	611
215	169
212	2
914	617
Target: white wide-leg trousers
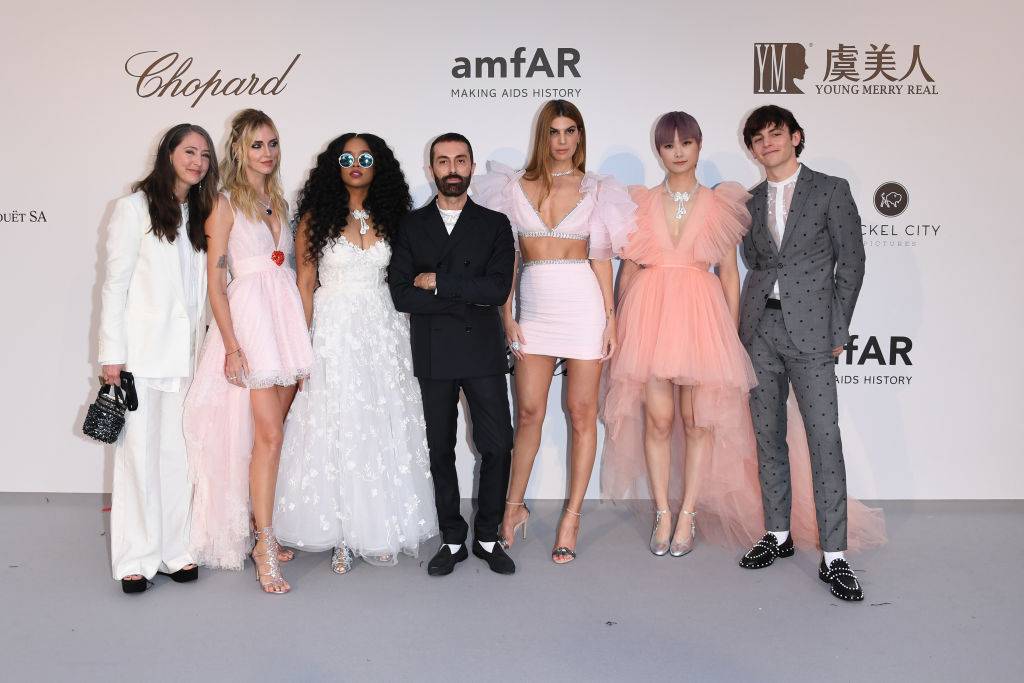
151	493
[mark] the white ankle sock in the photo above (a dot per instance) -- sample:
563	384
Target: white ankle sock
780	536
454	547
488	546
833	556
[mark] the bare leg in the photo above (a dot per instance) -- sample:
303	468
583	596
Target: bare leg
584	378
533	380
268	434
698	443
659	414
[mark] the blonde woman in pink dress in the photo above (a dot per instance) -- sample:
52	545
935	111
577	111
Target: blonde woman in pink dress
253	357
680	353
568	223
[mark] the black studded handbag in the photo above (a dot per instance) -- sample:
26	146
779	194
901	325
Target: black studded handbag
105	418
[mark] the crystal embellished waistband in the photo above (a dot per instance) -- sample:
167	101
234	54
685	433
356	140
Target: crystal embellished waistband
556	234
555	261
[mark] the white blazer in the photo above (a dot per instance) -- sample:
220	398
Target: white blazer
144	321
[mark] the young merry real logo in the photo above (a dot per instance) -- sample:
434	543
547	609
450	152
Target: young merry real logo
165	76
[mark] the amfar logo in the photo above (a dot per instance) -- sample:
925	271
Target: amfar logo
165	74
567	62
777	67
891	199
870	350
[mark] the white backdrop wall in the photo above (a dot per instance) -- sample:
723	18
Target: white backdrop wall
939	421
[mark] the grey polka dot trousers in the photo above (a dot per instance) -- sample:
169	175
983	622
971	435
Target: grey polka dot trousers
778	362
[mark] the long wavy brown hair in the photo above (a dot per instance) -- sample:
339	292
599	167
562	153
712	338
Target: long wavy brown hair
232	171
539	166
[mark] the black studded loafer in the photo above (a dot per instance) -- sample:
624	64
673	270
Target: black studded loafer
841	579
765	551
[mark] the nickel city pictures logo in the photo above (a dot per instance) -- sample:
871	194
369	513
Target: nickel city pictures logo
872	69
891	199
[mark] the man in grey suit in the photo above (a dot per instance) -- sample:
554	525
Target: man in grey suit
805	256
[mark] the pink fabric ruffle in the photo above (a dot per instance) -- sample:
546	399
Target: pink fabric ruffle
615	214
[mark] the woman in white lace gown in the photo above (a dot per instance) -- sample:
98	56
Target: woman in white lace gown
355	470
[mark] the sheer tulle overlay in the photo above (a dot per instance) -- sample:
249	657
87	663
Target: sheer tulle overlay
674	324
355	468
268	321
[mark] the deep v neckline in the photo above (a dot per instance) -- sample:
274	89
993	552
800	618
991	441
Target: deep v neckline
536	211
280	234
683	232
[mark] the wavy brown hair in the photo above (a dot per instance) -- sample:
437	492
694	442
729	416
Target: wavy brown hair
539	165
232	171
158	186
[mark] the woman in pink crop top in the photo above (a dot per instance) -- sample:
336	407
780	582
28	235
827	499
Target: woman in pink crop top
568	224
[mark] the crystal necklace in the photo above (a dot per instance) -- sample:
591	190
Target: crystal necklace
361	216
680	198
266	206
559	174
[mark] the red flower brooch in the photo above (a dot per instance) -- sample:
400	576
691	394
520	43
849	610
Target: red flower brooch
277	257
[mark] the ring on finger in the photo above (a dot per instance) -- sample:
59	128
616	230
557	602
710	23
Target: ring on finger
515	346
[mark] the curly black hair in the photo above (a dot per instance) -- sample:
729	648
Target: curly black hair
323	200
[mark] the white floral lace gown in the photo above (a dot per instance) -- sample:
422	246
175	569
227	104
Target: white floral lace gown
355	467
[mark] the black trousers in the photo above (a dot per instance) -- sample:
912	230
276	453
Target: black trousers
492	435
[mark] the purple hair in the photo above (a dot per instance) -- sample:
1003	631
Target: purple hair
676	122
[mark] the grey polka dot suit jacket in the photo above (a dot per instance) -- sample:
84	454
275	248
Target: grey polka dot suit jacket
820	265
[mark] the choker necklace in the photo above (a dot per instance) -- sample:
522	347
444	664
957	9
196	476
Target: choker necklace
559	174
680	198
266	206
361	216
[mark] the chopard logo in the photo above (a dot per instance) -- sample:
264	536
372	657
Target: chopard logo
166	75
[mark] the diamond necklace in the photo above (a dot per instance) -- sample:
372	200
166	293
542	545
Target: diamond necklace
680	198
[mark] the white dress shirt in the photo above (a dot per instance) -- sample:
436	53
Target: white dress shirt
779	205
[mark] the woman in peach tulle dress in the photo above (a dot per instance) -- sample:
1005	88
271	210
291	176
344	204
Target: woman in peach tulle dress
679	352
253	357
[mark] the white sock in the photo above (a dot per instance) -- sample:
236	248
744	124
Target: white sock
780	536
454	547
833	556
488	546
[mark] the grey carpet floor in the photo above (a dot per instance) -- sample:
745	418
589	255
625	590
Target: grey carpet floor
944	602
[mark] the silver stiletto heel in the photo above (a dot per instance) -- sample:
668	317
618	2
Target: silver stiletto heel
659	548
563	554
342	559
680	549
271	580
504	542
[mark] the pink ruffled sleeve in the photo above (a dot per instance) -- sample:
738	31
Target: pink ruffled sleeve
727	221
494	190
642	246
614	217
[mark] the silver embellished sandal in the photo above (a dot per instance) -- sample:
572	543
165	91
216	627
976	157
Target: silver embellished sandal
342	559
270	579
563	554
679	549
659	548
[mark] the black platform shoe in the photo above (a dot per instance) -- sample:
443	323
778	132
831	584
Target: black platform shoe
135	585
443	562
183	575
841	579
497	559
765	551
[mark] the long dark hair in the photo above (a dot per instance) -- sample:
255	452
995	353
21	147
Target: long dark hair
164	212
323	201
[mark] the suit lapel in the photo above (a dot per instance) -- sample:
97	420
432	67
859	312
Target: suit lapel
435	225
800	192
462	227
172	265
760	217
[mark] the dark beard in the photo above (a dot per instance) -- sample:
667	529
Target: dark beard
452	189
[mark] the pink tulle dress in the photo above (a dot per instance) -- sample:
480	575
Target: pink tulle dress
561	309
674	324
268	320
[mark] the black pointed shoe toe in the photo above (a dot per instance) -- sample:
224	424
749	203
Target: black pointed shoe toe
765	551
841	580
443	562
498	560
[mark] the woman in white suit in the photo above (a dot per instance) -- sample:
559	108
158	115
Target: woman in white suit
151	325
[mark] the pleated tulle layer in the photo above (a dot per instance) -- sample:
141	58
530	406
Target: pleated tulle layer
267	316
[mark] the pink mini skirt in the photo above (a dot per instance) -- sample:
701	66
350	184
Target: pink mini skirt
561	310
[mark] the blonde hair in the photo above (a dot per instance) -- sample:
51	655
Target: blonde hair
539	166
232	171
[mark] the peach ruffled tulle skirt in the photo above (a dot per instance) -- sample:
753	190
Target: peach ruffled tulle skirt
675	325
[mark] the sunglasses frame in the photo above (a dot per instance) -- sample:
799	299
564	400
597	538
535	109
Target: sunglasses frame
354	160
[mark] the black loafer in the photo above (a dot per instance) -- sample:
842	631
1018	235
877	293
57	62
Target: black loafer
497	559
765	551
443	562
841	580
183	575
134	585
